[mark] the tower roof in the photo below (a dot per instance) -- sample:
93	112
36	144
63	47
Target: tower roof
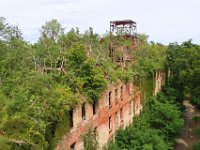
123	22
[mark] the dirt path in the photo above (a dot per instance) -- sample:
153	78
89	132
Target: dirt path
187	135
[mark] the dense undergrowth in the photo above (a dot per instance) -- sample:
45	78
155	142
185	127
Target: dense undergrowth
157	126
41	82
161	120
184	63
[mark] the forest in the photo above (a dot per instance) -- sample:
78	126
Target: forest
41	82
160	123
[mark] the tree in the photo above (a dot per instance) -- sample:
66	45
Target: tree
9	32
52	30
89	139
183	61
154	129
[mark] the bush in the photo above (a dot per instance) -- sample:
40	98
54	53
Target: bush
196	119
196	146
198	131
155	129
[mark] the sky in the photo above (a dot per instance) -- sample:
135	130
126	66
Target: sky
165	21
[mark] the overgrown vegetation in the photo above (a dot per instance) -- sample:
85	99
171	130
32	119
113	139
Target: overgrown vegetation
198	131
184	63
40	83
89	139
155	129
196	146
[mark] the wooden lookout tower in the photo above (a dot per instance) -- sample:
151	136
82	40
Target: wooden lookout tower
122	31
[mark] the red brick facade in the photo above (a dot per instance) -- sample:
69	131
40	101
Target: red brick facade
159	81
115	109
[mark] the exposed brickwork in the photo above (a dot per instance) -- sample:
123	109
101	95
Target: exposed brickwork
159	81
125	102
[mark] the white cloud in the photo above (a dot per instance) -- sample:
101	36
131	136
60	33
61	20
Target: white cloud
163	21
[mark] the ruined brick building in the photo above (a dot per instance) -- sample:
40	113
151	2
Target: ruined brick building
119	104
116	109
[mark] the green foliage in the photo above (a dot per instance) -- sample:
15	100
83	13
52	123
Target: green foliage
86	76
35	96
89	139
8	32
150	59
154	129
56	130
184	61
143	39
40	83
147	88
166	117
33	104
139	138
196	119
112	145
51	30
196	146
198	131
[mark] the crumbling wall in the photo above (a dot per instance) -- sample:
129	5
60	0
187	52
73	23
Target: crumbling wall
124	104
159	81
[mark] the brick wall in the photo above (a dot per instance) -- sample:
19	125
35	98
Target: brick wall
159	81
115	109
